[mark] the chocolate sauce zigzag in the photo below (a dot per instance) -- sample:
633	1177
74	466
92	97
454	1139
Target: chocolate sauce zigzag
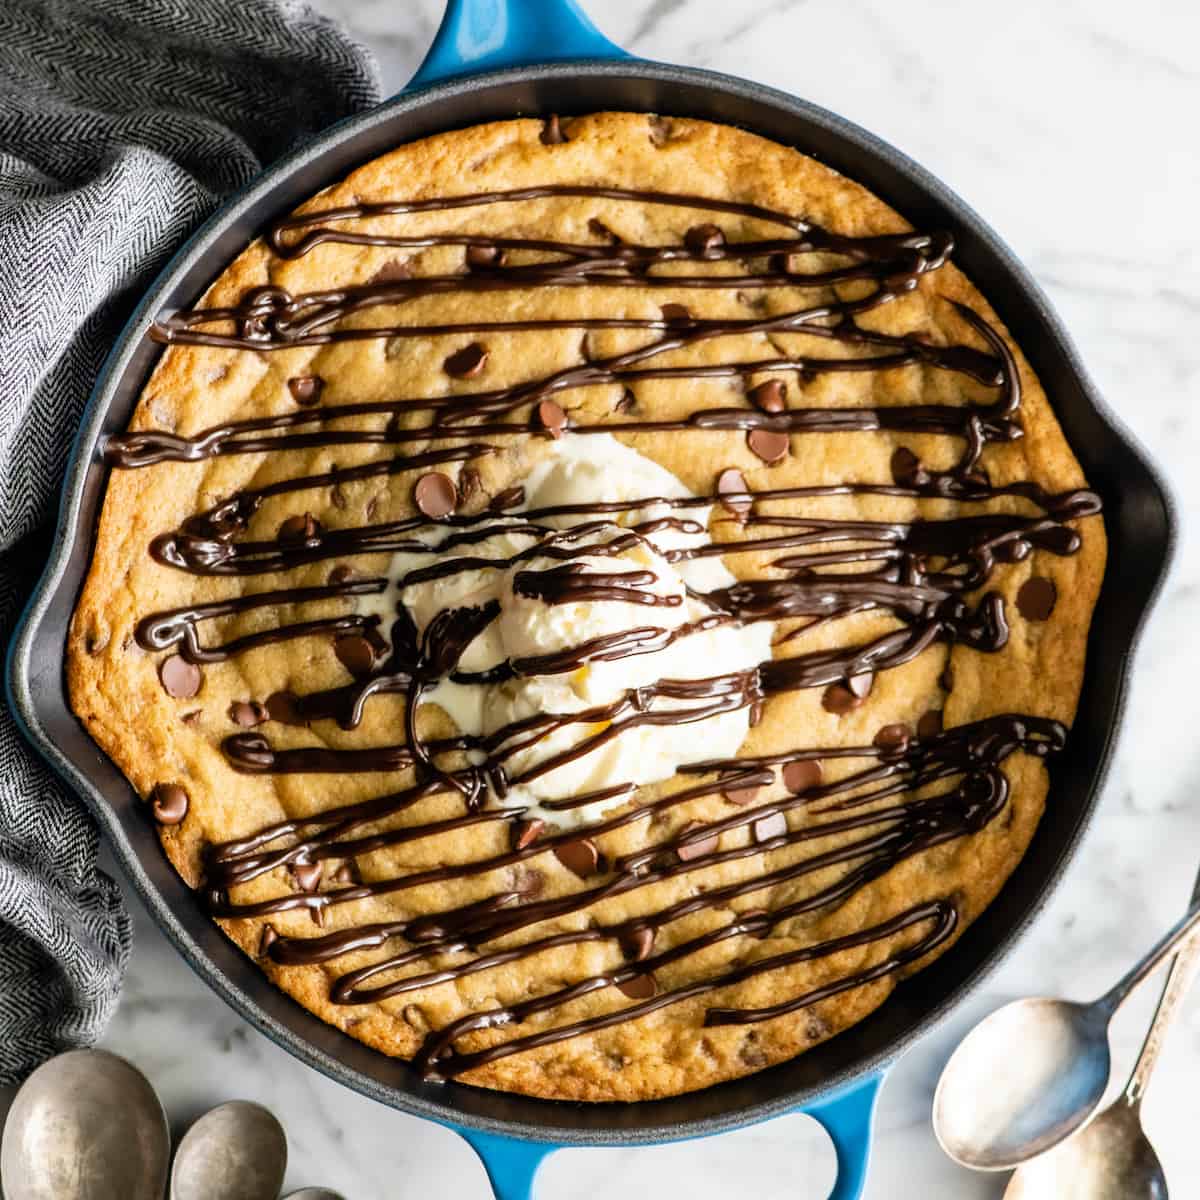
920	572
926	601
972	752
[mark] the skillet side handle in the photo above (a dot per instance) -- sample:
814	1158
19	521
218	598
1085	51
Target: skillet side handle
488	35
510	1164
848	1118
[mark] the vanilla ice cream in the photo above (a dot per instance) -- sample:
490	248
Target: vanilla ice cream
653	613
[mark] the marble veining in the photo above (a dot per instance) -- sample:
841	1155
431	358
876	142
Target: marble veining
1068	127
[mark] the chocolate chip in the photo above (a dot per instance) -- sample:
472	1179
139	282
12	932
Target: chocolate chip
395	271
770	445
247	713
435	494
342	573
267	940
509	498
551	418
307	876
526	832
801	775
467	362
599	229
180	678
482	257
190	718
283	707
168	803
316	914
580	856
730	482
1037	597
841	698
636	943
816	1029
906	467
741	796
552	133
930	725
348	873
640	987
627	402
704	240
306	389
355	653
697	849
298	530
770	396
893	739
773	826
675	314
751	1053
946	678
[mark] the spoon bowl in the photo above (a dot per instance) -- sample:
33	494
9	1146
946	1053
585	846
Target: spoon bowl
1111	1159
236	1149
86	1125
1033	1073
314	1193
1021	1081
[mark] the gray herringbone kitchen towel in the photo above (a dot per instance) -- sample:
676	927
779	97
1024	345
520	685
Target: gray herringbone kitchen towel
122	124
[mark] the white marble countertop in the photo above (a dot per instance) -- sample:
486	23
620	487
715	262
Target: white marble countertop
1069	127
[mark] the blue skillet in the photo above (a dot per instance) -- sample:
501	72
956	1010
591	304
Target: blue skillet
493	59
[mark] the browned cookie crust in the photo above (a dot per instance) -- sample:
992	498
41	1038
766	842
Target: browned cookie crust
936	818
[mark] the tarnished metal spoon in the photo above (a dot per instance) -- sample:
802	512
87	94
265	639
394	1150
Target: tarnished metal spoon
1112	1158
236	1150
86	1125
1033	1072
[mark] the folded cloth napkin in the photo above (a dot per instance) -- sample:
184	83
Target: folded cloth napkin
122	124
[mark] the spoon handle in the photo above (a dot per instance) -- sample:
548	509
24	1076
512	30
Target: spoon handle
1116	995
1179	980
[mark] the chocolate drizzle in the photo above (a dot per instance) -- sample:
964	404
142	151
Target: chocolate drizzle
931	576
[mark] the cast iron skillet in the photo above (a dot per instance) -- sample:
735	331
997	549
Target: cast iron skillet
494	59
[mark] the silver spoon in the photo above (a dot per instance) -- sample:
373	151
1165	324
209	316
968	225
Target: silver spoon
1032	1073
86	1125
236	1150
1111	1158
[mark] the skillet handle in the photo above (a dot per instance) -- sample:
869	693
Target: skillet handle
488	35
848	1118
510	1164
